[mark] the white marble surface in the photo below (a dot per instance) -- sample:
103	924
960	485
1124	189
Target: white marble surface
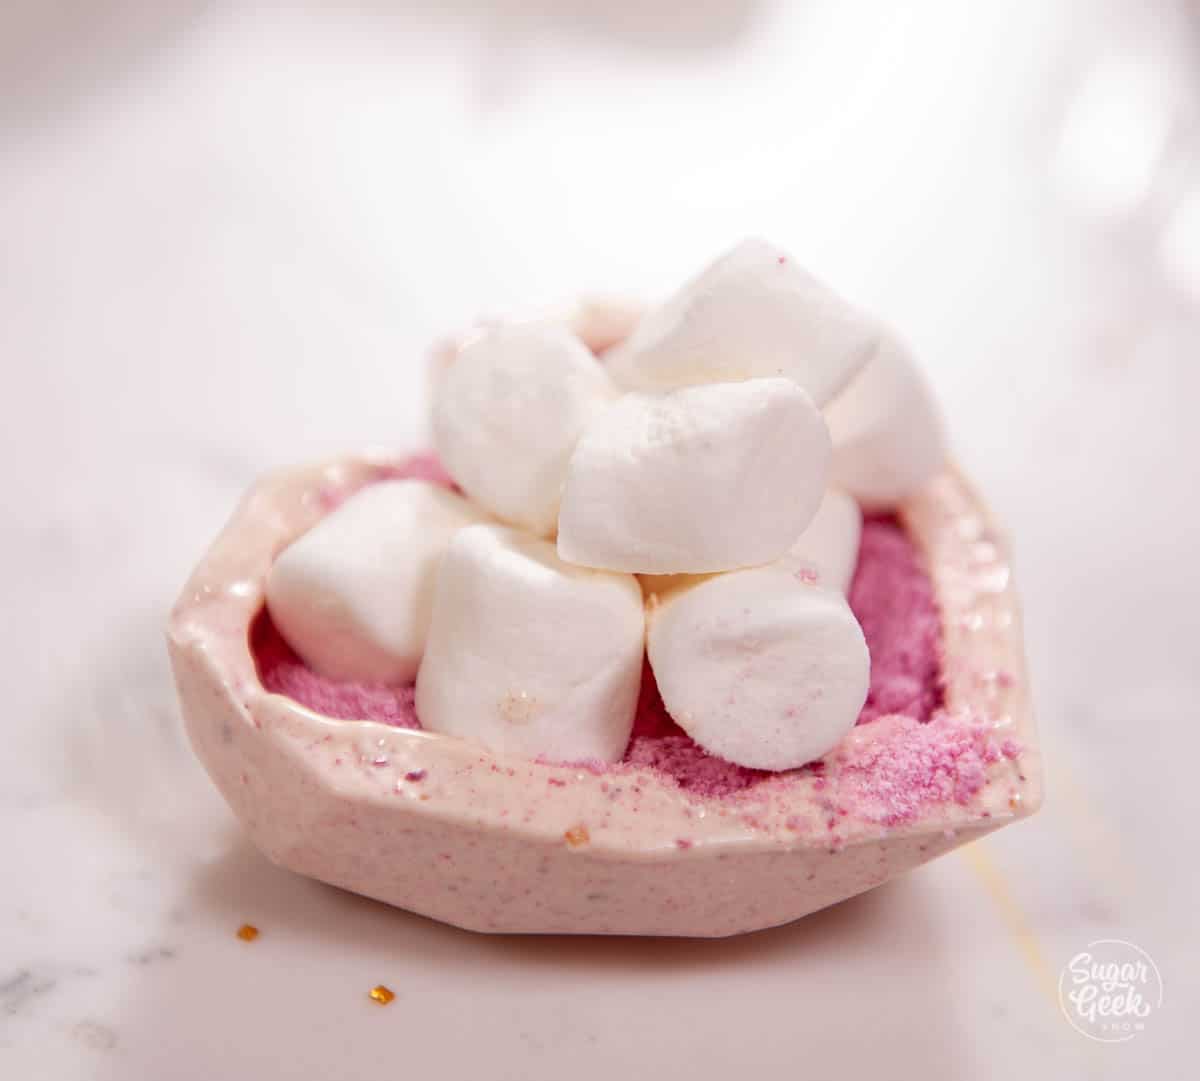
227	232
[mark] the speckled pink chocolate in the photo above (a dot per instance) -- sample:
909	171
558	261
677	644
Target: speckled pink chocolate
495	843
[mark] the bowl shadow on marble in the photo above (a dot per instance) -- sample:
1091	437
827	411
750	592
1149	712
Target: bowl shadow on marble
132	764
328	946
315	936
136	769
243	880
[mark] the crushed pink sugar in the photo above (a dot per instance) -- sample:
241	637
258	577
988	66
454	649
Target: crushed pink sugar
913	761
892	597
659	743
282	672
909	765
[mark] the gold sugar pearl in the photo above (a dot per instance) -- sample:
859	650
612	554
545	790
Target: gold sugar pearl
247	932
577	835
382	995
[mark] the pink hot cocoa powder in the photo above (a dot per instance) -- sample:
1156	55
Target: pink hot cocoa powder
912	762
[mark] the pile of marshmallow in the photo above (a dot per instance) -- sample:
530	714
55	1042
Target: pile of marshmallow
693	495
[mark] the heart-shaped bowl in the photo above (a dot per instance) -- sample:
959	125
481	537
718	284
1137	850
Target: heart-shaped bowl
492	842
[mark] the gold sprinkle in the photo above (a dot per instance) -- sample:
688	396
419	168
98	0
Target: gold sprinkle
518	707
247	932
382	995
577	835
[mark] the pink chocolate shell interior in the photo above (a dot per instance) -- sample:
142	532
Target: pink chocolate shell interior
893	598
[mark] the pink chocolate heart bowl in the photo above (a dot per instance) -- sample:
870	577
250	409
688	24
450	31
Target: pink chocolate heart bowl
338	781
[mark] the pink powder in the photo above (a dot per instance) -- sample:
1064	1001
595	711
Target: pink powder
893	599
890	778
658	742
282	672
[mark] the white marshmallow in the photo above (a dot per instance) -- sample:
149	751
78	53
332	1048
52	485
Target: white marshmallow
509	410
826	553
887	430
599	321
829	546
528	655
602	322
754	312
352	596
705	478
759	668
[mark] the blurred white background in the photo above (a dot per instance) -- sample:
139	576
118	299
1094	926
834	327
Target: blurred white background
228	232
